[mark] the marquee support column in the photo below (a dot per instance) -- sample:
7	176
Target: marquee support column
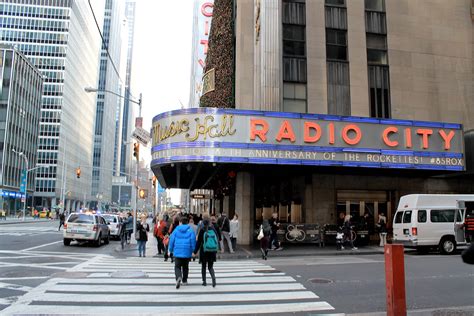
244	206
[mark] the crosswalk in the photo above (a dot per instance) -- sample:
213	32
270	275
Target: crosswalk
14	230
127	286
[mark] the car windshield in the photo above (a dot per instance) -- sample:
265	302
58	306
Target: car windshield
110	218
81	219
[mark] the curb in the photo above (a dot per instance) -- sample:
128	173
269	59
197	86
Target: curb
24	222
273	254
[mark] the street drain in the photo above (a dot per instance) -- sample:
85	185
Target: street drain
266	271
320	281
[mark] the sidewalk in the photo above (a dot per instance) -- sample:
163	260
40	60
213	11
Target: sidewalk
253	251
15	220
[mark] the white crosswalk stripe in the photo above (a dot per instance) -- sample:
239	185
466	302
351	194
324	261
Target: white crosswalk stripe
105	285
26	230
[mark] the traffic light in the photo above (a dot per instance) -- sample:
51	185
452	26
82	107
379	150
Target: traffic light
141	193
78	172
136	151
153	180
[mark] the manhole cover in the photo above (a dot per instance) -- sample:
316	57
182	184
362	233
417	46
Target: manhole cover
128	274
320	281
266	271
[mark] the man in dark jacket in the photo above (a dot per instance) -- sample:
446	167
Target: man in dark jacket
182	244
224	225
275	225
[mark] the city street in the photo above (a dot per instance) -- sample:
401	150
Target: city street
39	274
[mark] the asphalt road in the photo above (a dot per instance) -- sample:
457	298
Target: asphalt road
30	253
33	253
356	284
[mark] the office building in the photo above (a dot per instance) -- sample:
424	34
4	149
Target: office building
20	106
108	101
61	39
129	108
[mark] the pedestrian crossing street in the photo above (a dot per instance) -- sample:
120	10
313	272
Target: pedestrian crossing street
108	285
14	230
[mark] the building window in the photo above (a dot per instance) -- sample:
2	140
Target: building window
336	44
336	2
379	91
377	59
338	83
294	56
375	5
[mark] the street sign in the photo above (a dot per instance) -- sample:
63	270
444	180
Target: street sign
141	135
200	196
23	181
139	122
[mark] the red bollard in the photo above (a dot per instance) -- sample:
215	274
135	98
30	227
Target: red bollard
395	280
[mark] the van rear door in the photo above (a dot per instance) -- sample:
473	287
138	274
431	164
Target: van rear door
398	226
458	226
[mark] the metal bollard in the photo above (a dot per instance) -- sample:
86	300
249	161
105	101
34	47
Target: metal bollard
395	280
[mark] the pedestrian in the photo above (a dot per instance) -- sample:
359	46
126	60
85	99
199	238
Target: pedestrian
348	230
182	243
216	227
192	224
469	226
158	232
234	231
382	228
172	227
266	230
224	225
207	245
129	227
275	225
62	218
142	234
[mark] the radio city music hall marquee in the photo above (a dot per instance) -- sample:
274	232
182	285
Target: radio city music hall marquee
241	136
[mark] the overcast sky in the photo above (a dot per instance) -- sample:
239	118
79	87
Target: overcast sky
162	55
162	58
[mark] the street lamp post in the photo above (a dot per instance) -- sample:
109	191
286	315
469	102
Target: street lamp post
139	102
21	154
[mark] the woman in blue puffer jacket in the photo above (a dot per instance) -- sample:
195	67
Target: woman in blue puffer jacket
182	243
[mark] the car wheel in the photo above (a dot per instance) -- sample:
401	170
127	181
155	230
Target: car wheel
98	241
447	246
107	239
67	241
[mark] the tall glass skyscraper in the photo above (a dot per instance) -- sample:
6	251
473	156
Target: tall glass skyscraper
108	104
128	108
61	39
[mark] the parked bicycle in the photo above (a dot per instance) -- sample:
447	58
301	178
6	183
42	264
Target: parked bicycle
294	233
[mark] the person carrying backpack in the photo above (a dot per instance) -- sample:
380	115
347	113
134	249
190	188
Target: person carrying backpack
207	245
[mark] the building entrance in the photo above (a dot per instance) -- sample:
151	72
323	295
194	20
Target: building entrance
358	203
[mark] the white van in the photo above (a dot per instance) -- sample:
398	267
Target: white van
425	221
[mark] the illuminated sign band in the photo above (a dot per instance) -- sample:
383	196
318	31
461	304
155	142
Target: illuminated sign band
241	136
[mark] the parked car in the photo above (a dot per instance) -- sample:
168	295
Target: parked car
425	221
114	222
86	227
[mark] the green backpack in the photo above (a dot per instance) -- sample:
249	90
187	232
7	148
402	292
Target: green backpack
210	241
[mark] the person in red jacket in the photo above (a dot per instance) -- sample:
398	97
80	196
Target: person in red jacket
159	233
469	225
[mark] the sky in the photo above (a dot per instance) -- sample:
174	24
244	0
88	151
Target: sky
162	55
161	65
